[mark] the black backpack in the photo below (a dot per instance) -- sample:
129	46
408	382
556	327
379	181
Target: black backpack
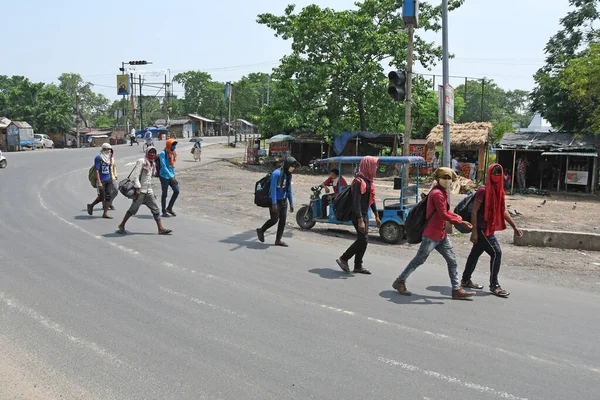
465	210
262	189
342	204
416	221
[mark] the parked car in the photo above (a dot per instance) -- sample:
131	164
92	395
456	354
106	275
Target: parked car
43	141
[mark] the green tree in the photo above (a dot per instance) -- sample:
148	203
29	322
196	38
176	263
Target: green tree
333	80
52	111
550	96
89	105
202	95
581	80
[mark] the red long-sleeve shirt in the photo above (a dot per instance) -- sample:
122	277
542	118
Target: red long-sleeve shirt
436	228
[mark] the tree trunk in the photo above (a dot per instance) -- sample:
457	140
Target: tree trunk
361	113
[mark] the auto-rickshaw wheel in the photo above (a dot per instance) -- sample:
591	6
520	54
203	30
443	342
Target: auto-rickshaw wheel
305	218
391	232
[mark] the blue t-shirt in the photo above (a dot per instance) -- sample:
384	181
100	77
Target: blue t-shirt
282	193
103	168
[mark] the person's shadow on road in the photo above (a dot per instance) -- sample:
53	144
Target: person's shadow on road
416	299
328	273
247	240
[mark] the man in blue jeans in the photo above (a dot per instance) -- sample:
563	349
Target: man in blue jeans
167	177
435	236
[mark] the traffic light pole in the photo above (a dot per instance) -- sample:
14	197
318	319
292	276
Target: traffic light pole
407	119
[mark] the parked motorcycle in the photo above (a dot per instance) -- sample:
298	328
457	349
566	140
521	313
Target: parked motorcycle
3	162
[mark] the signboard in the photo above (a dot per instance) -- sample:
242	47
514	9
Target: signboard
278	148
123	85
12	136
449	99
577	178
418	150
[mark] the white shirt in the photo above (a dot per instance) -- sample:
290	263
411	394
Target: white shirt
455	165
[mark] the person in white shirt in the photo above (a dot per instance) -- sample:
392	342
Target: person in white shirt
144	170
436	161
455	166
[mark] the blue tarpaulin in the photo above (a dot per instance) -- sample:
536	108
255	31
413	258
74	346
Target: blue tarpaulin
340	140
153	129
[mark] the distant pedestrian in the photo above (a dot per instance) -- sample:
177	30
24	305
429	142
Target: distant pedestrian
522	165
103	164
144	170
435	236
455	166
363	197
69	143
489	216
167	177
435	163
281	194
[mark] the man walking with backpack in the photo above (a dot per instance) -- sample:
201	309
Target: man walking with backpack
488	216
435	236
280	194
363	197
167	160
105	174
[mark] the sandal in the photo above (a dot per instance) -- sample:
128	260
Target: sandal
498	291
121	231
471	285
281	244
362	271
165	232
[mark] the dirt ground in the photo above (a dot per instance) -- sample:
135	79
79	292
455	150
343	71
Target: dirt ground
221	189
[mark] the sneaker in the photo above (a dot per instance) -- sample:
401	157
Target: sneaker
165	215
90	209
261	235
111	207
400	286
171	212
461	294
281	243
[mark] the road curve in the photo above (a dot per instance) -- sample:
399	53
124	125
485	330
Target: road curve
210	313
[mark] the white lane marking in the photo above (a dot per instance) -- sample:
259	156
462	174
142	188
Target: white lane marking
129	164
439	336
452	380
202	302
57	328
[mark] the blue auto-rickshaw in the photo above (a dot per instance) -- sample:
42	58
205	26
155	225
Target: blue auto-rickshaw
392	215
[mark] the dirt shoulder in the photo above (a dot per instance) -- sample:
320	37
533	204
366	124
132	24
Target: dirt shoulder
220	190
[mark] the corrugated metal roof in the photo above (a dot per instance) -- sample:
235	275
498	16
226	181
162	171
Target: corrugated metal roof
201	118
172	122
557	141
4	122
566	153
22	125
245	122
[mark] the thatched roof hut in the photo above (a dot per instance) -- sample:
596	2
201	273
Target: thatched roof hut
472	134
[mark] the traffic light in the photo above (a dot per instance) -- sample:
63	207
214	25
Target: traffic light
397	88
138	62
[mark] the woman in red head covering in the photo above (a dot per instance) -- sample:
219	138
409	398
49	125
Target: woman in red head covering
489	215
363	198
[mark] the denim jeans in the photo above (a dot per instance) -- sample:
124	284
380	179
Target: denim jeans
427	246
165	183
489	245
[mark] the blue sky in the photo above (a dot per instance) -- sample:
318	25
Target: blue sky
502	40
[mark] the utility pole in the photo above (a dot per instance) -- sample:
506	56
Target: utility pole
446	72
77	116
230	86
407	120
141	112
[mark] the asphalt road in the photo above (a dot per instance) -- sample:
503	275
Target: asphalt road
210	313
